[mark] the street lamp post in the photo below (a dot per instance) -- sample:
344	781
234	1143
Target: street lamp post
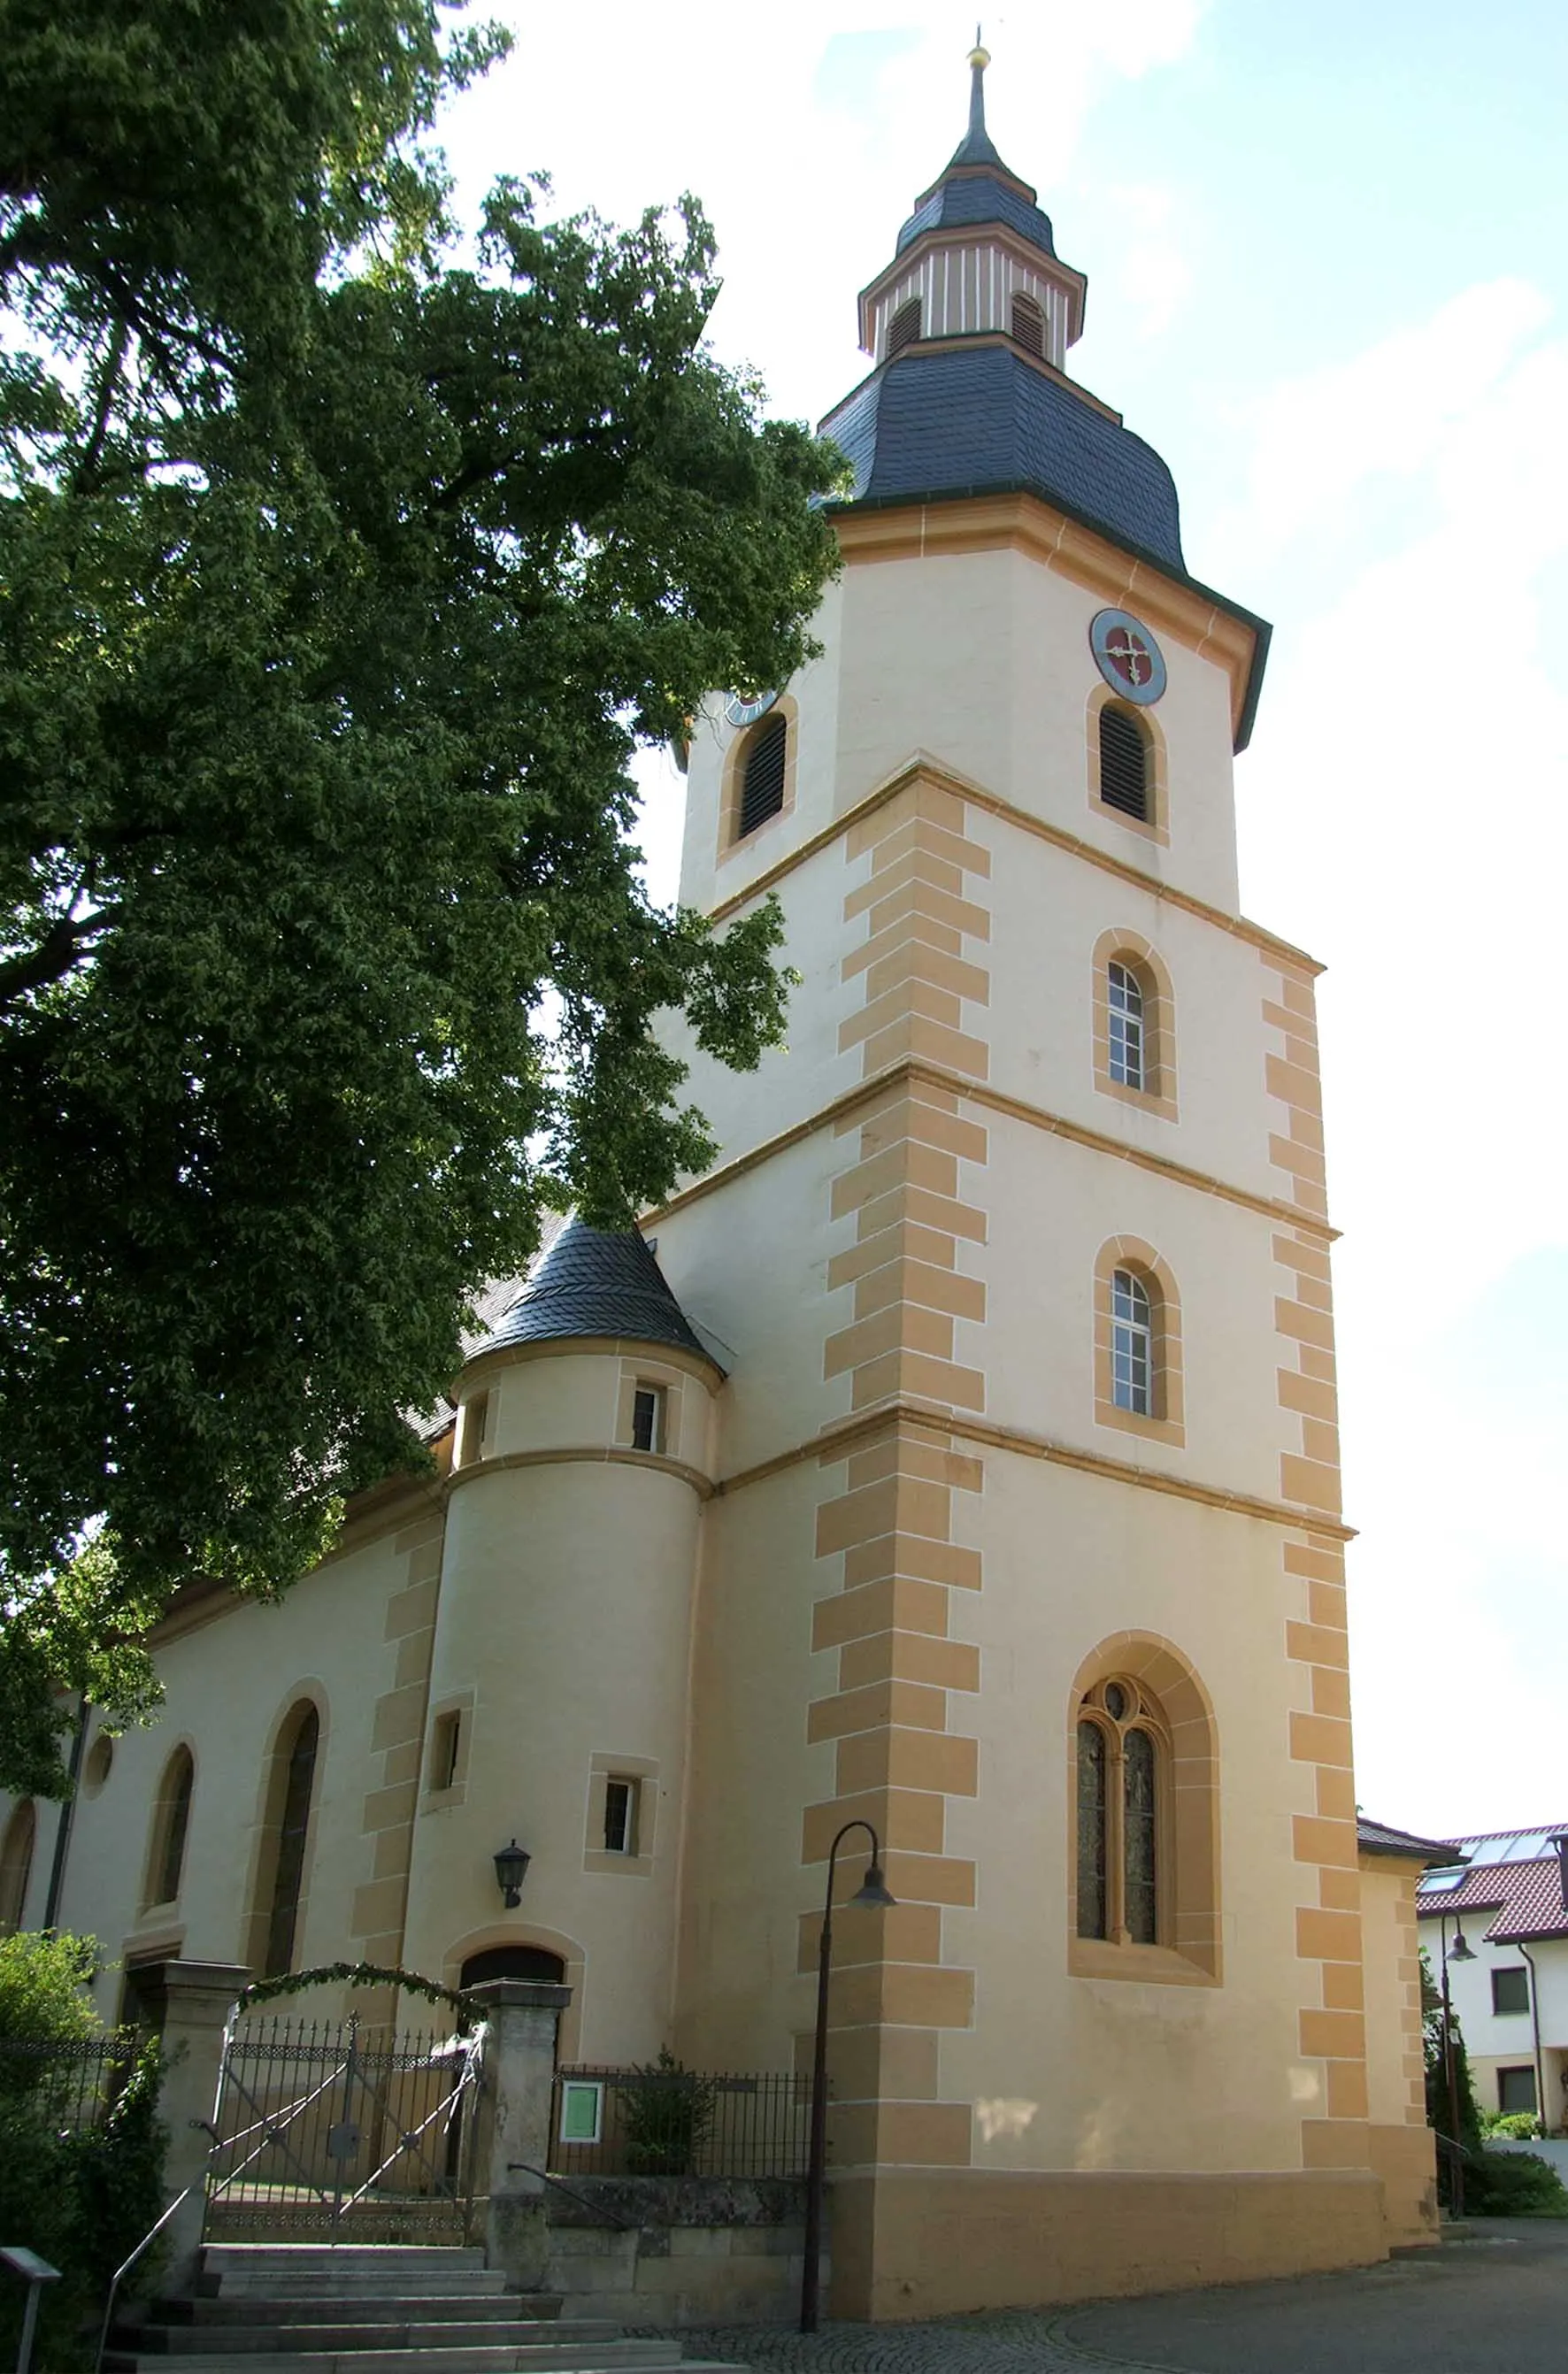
1461	1952
872	1891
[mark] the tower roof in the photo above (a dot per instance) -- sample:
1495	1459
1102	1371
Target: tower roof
595	1282
977	187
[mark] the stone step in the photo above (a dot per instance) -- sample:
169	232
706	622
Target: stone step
321	2337
648	2356
366	2284
228	2309
435	2258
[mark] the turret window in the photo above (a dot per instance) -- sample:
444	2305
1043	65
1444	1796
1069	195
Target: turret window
1123	763
904	327
762	775
1028	325
648	1418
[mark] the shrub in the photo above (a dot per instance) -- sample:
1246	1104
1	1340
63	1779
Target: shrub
665	2111
1513	2184
1518	2126
81	2196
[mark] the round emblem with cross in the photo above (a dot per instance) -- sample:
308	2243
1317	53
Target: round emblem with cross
1128	656
747	712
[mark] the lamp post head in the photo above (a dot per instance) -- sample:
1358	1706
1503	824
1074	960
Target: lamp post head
511	1869
873	1889
1458	1951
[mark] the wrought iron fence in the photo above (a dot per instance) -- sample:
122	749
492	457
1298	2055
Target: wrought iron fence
71	2083
322	2131
678	2123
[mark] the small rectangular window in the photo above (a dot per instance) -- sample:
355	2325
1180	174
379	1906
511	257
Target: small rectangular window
620	1818
445	1740
1510	1989
1516	2089
648	1418
475	1429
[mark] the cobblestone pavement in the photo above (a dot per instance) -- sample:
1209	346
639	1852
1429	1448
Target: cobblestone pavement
1493	2300
1008	2342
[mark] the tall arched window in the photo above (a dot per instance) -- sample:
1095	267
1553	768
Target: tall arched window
905	326
1121	1745
1125	1003
1132	1344
170	1821
1123	763
762	774
16	1865
1028	325
1138	1341
298	1747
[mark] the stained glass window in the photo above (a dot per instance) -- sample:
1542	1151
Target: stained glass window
1092	1909
288	1878
174	1818
1139	1843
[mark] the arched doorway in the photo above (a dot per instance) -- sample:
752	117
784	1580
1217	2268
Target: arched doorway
535	1963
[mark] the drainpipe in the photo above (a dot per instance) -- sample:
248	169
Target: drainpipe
1534	2024
67	1808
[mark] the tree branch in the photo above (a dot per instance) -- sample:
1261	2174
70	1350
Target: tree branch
62	947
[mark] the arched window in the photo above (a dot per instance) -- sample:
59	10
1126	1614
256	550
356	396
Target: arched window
905	326
16	1865
1028	324
170	1821
1143	1802
1122	1748
298	1748
1132	1344
762	774
1124	993
1124	763
1138	1341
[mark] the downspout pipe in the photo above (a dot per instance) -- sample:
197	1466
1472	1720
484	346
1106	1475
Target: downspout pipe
1535	2025
62	1830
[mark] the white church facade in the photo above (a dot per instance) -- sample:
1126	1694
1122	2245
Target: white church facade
959	1455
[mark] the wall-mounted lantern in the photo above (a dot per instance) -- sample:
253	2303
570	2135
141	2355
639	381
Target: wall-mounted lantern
511	1870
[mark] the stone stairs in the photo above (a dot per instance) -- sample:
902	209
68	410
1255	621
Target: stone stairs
373	2309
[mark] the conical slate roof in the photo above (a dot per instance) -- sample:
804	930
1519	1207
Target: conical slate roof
592	1282
977	187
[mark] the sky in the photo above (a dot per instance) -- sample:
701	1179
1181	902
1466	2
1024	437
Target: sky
1327	261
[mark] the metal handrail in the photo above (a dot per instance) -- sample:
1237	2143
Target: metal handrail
600	2209
122	2271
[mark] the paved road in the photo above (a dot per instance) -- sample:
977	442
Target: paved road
1493	2302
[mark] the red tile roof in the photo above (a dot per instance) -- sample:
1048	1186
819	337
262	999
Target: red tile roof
1525	1897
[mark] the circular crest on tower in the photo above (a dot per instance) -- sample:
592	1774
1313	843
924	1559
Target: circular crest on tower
1128	656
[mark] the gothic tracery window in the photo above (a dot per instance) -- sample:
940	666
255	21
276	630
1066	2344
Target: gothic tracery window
293	1817
1120	1751
171	1820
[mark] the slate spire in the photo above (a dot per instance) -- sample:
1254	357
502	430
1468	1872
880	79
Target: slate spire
976	147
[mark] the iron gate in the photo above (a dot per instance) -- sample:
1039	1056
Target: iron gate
321	2134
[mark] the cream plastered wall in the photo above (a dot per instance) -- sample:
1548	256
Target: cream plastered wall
982	659
564	1643
711	874
1503	2039
1076	2072
1395	2086
229	1682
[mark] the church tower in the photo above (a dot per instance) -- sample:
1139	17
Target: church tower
1026	1545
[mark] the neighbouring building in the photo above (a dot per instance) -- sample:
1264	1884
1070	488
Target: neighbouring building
1507	1901
958	1455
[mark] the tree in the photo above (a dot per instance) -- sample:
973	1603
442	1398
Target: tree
341	576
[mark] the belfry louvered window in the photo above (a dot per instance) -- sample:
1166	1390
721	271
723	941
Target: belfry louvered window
1123	763
904	326
762	774
1028	324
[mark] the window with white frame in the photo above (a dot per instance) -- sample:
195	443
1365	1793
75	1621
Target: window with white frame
648	1405
1132	1345
1128	1059
620	1815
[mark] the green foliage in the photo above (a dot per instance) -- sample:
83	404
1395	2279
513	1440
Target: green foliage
82	2196
1513	2184
341	582
1440	2097
665	2111
1516	2126
349	1974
